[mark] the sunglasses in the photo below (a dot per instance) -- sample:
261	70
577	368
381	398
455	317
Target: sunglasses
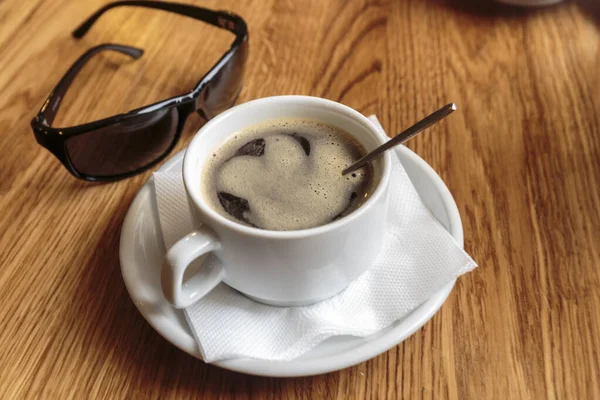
127	144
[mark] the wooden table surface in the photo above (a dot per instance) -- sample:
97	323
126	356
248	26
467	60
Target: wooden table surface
521	157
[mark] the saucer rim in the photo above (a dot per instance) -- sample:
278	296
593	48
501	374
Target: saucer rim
298	367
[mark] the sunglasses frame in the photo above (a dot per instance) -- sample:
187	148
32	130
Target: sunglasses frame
55	139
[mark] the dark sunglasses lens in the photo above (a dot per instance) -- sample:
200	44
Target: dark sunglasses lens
124	147
224	88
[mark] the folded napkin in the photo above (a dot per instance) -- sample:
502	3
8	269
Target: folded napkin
417	259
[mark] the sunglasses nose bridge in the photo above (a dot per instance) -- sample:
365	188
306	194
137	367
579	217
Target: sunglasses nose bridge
199	103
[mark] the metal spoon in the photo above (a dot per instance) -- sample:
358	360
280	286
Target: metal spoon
404	136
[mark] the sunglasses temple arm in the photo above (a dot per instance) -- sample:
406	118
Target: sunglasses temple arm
221	19
50	107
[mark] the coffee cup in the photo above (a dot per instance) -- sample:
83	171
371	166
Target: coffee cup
281	268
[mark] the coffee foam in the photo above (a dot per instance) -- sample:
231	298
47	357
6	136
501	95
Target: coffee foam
287	189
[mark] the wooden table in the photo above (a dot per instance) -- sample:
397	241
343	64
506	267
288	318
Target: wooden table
521	157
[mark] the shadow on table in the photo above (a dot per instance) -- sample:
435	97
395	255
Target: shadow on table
591	8
495	9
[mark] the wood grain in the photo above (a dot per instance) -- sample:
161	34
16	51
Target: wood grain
521	157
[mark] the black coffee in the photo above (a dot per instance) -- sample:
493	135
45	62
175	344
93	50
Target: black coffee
287	175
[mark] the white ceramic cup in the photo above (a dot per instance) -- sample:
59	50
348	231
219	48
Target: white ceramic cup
282	268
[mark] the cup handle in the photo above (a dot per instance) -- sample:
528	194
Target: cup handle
178	259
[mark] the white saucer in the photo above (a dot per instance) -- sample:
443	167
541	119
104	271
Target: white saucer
142	251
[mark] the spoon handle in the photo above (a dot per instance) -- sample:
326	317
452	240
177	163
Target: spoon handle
404	136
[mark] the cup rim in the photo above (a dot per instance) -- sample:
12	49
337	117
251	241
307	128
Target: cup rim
216	218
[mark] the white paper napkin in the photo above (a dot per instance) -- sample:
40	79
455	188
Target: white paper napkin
418	258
